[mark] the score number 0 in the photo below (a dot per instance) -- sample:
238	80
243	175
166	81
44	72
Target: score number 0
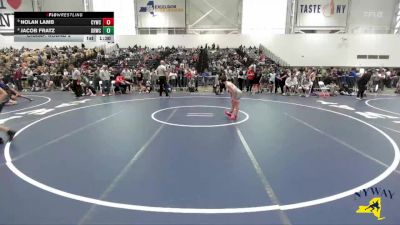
108	21
108	25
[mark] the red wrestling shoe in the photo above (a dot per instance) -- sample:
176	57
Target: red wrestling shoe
233	117
229	114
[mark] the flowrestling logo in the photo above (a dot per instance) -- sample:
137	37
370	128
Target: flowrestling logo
154	8
375	205
328	8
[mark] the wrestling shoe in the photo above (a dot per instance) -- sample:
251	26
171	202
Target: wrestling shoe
11	135
233	117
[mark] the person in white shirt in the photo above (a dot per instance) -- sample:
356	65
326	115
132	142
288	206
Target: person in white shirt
76	79
291	84
29	74
65	73
271	82
65	83
305	85
298	73
105	79
173	78
127	74
146	75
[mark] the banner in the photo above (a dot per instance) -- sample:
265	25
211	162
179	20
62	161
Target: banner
322	13
7	9
370	16
160	13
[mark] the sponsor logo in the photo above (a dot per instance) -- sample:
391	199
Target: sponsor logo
154	8
328	10
374	205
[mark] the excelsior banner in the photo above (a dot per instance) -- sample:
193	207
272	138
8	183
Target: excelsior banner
160	13
322	13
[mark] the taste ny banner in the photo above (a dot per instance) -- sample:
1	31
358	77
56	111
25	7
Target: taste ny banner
322	13
160	13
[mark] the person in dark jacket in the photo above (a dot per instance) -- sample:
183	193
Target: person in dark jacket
17	79
362	84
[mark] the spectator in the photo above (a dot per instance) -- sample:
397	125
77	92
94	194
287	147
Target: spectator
106	80
352	78
29	75
362	84
281	81
305	85
139	78
88	89
256	82
76	79
65	83
241	78
17	78
291	84
121	85
181	74
146	75
50	82
397	91
173	78
272	80
250	75
127	74
96	79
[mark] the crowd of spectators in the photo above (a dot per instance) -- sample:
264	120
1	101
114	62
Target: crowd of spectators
95	71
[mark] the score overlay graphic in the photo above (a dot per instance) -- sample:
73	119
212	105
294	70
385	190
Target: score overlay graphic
64	26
